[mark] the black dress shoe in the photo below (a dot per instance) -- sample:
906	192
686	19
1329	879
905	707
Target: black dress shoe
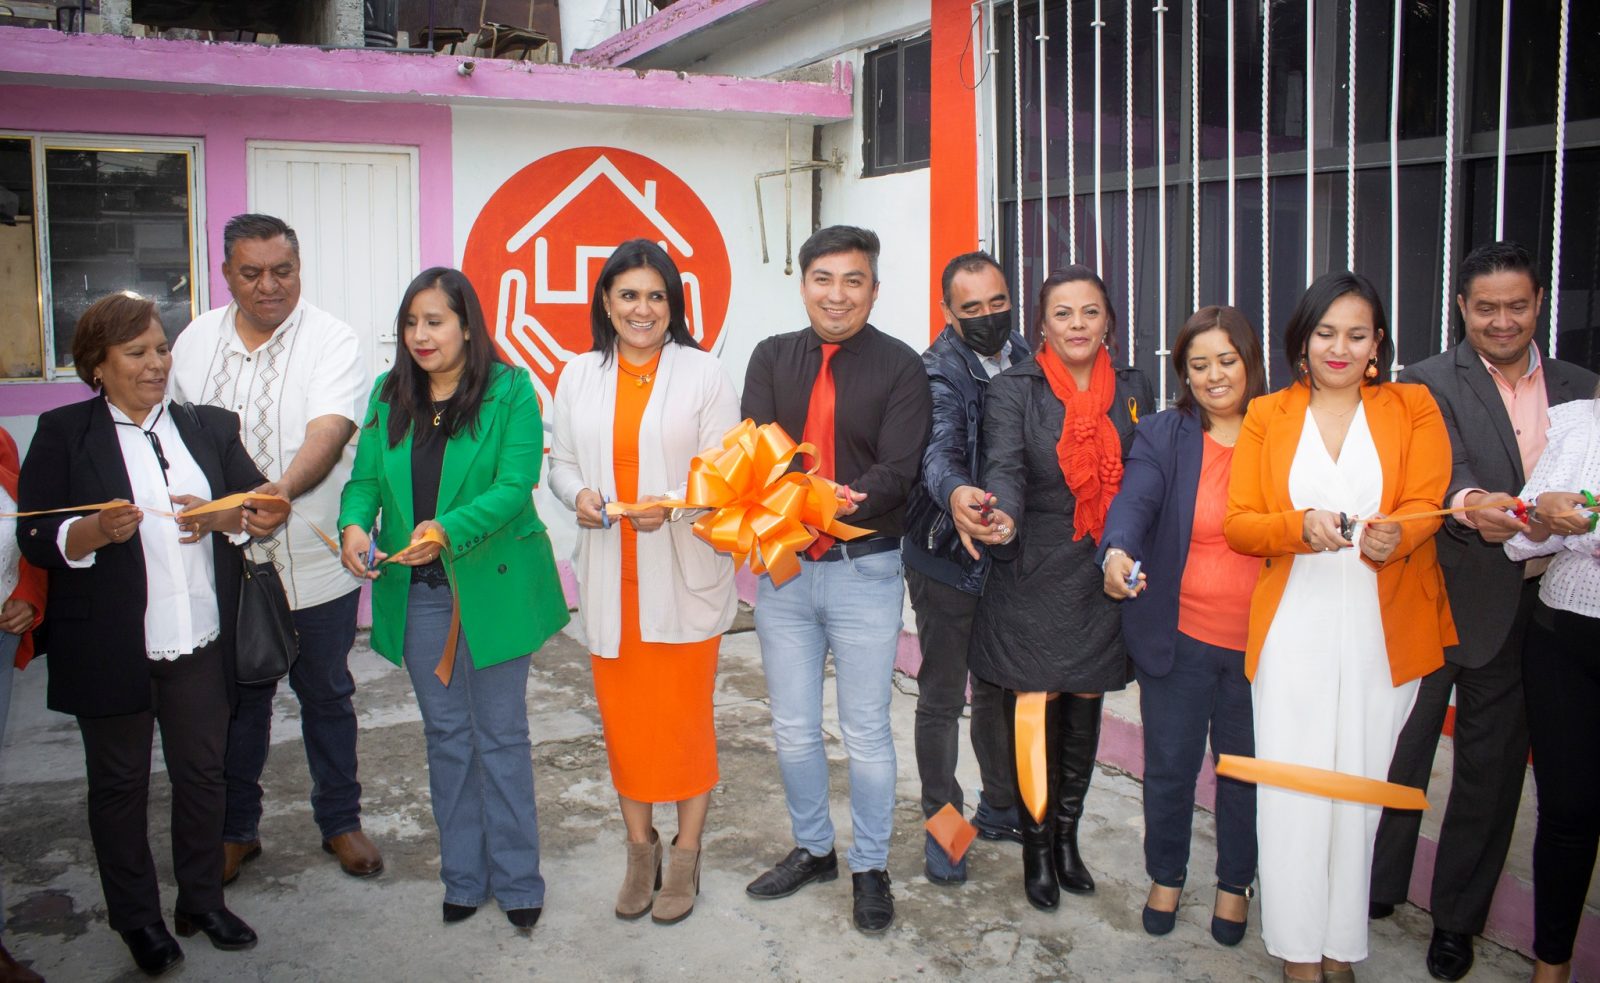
458	912
524	918
874	902
1379	909
794	872
153	947
225	929
1449	955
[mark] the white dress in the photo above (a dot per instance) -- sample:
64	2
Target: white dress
1323	698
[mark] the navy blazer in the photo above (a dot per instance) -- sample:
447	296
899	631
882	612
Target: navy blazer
1152	519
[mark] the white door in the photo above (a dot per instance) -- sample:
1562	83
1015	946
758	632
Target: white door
354	209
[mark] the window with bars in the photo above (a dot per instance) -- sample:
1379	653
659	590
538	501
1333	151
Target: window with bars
1446	184
897	107
82	217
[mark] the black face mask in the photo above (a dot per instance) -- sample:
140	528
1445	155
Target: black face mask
986	334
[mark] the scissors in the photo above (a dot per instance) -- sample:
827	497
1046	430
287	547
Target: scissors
986	510
1133	575
605	517
372	546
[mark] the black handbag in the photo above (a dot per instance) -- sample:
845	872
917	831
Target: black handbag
265	644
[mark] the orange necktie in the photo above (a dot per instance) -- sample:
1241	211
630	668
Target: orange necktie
819	432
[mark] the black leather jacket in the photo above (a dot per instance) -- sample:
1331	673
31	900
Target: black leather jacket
959	383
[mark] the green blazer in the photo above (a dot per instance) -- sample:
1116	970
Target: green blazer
502	568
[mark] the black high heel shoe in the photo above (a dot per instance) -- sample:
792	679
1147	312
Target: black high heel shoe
1229	932
1158	922
458	912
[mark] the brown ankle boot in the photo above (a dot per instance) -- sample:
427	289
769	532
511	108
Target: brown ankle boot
676	901
642	878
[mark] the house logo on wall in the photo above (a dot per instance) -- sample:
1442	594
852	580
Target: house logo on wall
538	244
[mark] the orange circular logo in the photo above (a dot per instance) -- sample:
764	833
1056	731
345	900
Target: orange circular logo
540	240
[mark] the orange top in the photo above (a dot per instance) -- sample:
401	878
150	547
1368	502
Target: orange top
1214	598
1414	449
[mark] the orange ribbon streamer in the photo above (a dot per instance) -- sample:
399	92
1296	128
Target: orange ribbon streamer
951	831
447	662
1033	770
1413	516
1321	782
760	510
223	504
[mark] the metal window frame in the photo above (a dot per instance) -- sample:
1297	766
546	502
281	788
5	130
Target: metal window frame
869	110
1387	153
193	150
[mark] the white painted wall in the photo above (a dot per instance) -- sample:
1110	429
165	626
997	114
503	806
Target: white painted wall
817	32
717	158
585	23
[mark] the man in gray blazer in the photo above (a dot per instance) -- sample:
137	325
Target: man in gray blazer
1495	391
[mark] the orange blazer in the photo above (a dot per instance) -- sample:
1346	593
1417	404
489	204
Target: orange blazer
30	579
1414	450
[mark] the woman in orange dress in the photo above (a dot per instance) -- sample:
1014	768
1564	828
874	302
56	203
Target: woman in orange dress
654	600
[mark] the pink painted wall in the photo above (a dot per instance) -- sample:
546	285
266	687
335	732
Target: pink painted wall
226	123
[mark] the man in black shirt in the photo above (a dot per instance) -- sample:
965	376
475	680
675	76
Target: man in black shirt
861	398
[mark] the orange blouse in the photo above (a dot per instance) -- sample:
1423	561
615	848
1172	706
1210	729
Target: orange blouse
1214	598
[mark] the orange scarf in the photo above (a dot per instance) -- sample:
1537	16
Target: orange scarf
1090	451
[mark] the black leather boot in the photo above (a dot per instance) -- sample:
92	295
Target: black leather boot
1079	739
1038	871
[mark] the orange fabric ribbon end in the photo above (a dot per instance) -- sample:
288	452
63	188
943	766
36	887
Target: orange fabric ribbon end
1321	782
951	831
447	662
1033	770
760	510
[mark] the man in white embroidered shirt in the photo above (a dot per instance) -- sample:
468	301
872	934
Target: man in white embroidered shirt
294	374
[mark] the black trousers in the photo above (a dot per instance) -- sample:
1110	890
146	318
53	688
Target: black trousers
1561	673
1491	755
189	700
944	626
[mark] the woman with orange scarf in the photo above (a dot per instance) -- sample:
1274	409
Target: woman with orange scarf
1055	431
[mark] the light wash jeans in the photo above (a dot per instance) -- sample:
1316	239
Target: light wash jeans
480	764
8	672
850	607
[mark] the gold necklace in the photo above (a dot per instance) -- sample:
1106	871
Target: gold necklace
438	410
640	379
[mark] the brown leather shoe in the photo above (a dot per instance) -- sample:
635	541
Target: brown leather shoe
12	971
357	855
235	856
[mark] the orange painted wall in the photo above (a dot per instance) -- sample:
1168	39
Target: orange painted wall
953	166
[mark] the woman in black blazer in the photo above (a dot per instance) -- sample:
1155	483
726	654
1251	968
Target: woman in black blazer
1186	615
143	607
1055	430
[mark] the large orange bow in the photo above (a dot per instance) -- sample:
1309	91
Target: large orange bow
759	508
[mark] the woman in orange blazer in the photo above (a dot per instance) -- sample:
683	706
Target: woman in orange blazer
22	585
1341	626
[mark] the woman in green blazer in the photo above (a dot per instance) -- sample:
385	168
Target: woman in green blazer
449	454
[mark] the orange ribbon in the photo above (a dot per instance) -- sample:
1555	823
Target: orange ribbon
1321	782
951	831
759	508
447	662
223	504
1033	769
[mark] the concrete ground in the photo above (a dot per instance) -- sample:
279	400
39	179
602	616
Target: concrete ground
318	924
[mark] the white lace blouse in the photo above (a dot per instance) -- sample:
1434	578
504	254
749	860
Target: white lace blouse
1570	462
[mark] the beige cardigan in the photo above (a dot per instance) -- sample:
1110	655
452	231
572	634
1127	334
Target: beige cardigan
686	591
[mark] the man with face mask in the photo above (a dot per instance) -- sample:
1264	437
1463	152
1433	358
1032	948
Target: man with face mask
944	557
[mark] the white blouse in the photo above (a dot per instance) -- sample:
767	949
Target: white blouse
1570	462
180	613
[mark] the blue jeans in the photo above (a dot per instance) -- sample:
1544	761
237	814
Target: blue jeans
852	608
8	672
480	763
321	679
1205	691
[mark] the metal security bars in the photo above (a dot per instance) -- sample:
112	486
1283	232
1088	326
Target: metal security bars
1249	145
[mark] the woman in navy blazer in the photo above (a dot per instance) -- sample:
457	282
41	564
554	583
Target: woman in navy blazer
1185	615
